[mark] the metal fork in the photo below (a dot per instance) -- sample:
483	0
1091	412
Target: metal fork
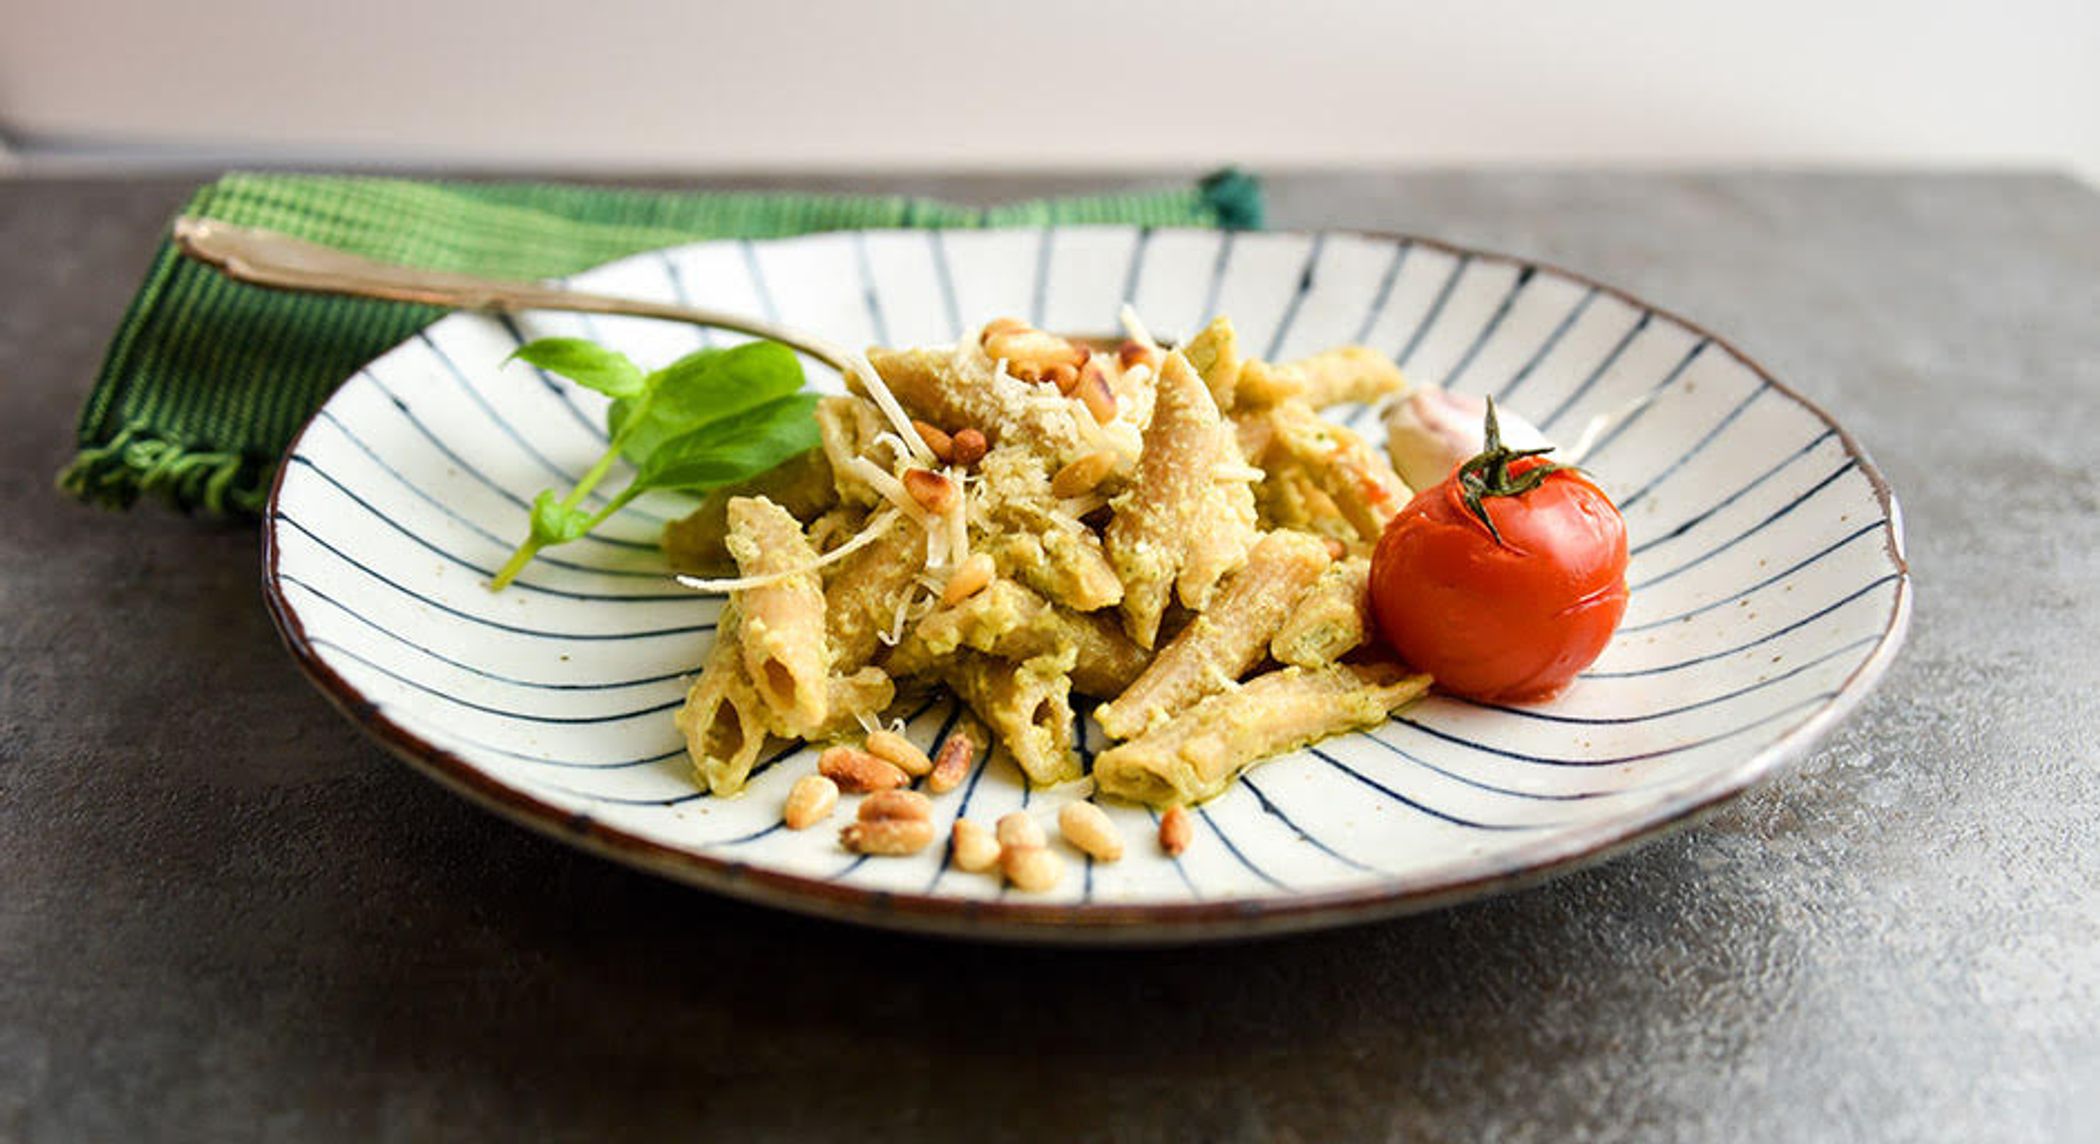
279	261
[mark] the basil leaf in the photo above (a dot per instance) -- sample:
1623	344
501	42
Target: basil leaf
701	388
554	523
733	448
708	419
586	363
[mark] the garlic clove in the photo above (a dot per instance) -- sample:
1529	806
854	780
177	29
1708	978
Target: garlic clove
1429	432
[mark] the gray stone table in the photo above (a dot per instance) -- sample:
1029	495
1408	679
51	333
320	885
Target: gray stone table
225	915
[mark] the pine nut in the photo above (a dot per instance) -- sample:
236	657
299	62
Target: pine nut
859	771
1336	549
809	802
1064	376
1133	353
1030	354
1080	477
895	749
943	446
934	492
952	763
1033	869
1087	826
1099	399
1176	830
1000	326
973	847
889	836
1018	829
969	578
970	447
897	806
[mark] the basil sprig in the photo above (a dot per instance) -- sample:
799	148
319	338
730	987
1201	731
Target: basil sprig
711	418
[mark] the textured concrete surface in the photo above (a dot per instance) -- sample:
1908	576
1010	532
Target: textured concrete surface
224	915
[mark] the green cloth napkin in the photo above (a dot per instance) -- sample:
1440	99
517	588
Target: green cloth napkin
207	380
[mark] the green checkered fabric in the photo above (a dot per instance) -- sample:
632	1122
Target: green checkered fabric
208	380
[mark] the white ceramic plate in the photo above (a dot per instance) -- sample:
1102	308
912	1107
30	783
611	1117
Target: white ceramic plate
1768	583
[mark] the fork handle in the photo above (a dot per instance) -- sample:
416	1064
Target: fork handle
281	262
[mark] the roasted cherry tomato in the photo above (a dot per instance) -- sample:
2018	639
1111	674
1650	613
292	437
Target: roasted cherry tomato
1504	580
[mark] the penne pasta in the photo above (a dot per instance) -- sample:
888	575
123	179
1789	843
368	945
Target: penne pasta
1196	755
1028	706
863	593
1330	620
1347	374
1009	621
1261	385
1220	645
782	630
723	721
1020	519
1215	352
1180	528
962	388
1290	499
1357	478
848	428
851	701
1038	543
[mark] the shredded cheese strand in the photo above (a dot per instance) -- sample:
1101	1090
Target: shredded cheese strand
893	441
959	520
1135	328
888	485
875	527
891	408
909	611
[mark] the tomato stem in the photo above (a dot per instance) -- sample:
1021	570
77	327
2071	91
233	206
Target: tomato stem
1488	475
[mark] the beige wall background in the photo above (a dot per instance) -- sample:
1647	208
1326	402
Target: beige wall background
1093	83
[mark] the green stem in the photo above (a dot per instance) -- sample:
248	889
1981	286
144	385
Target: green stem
516	564
596	473
1487	475
619	501
533	544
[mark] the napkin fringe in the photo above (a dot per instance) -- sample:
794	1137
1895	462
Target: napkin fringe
141	462
1235	197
